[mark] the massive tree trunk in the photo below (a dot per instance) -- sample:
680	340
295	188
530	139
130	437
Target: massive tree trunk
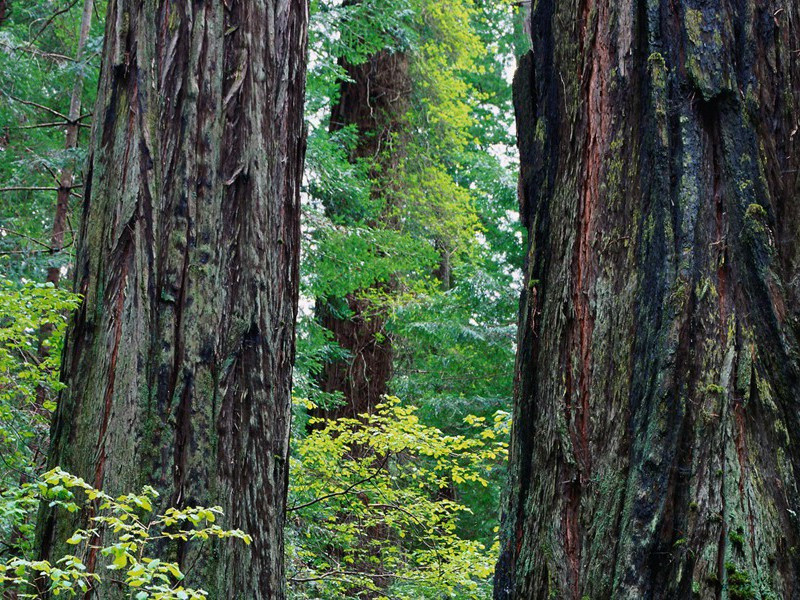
374	99
655	450
178	363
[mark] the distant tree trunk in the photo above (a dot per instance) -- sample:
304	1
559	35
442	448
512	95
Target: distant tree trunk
66	179
3	11
655	450
178	363
375	100
65	186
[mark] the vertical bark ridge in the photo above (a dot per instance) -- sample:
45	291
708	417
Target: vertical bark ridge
654	451
178	362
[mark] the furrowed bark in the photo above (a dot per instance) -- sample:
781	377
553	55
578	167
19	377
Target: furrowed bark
178	363
374	99
656	425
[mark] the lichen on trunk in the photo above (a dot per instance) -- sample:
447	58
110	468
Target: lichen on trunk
178	363
655	448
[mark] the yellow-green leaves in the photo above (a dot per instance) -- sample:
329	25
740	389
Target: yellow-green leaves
124	531
372	500
28	373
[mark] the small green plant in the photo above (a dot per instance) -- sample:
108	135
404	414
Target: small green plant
740	586
737	538
123	530
29	366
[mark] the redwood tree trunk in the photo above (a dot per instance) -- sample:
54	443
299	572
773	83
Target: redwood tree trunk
375	100
657	420
178	363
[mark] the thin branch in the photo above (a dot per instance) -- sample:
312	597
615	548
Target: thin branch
31	188
51	19
51	124
345	491
24	236
354	574
36	188
40	106
37	52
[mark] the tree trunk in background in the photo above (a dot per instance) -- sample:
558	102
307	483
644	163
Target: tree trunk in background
657	421
375	100
65	183
66	179
178	363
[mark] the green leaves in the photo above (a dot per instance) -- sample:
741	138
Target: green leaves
38	43
28	376
124	530
370	498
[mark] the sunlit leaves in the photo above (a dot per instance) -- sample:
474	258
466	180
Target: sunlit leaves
29	369
123	530
371	499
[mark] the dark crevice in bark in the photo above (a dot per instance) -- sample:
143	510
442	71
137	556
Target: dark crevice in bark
657	378
180	356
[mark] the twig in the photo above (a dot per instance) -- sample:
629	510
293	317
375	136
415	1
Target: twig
32	188
27	237
353	573
345	491
51	124
40	106
51	19
37	52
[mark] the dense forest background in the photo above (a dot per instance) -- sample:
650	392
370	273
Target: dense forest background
410	277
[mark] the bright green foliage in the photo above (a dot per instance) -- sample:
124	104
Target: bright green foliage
123	530
28	372
450	201
343	259
420	203
372	506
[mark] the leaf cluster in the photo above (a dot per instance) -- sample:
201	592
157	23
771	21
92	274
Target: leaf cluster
371	509
123	531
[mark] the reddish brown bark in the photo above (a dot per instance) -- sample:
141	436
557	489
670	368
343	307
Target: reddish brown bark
178	362
374	100
656	442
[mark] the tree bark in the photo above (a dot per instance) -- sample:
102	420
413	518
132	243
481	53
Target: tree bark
178	363
374	99
656	426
